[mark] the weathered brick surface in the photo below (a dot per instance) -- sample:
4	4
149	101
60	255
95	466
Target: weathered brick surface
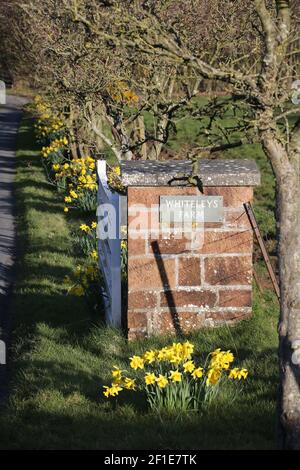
143	219
136	246
218	225
237	219
150	273
230	270
137	320
158	301
216	242
227	242
182	322
171	245
189	271
142	299
188	299
232	196
235	298
219	317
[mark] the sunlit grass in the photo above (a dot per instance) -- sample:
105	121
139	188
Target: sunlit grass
61	358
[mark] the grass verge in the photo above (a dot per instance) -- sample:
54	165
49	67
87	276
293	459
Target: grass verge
61	358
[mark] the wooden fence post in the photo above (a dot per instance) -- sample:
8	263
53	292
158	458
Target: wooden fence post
109	249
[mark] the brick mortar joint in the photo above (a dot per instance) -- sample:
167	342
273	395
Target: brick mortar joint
153	232
196	310
176	271
199	288
191	254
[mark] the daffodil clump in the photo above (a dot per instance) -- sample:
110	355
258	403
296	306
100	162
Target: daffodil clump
86	240
171	378
82	279
87	282
80	178
51	132
76	178
56	146
49	125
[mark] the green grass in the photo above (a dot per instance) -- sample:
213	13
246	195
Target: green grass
61	357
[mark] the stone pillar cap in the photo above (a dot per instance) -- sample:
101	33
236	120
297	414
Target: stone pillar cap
217	172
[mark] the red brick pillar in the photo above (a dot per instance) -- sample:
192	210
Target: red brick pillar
172	285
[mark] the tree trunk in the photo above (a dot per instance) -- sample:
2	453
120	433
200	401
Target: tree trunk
289	324
72	143
142	136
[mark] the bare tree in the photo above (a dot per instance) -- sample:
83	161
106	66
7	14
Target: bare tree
262	89
103	88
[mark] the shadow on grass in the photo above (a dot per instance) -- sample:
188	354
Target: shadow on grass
63	357
59	403
117	433
66	411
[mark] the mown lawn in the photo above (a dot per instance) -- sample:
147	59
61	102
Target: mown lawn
61	356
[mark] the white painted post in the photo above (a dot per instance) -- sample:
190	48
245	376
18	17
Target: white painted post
2	352
2	92
109	251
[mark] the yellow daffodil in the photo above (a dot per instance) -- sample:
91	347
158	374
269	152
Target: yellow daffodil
175	376
129	384
94	254
187	350
238	374
150	378
162	354
106	392
68	199
221	359
116	373
136	362
177	348
197	373
188	366
149	356
66	209
73	194
213	376
115	389
175	359
162	381
111	391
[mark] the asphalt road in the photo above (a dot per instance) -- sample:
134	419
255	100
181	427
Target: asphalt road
10	115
